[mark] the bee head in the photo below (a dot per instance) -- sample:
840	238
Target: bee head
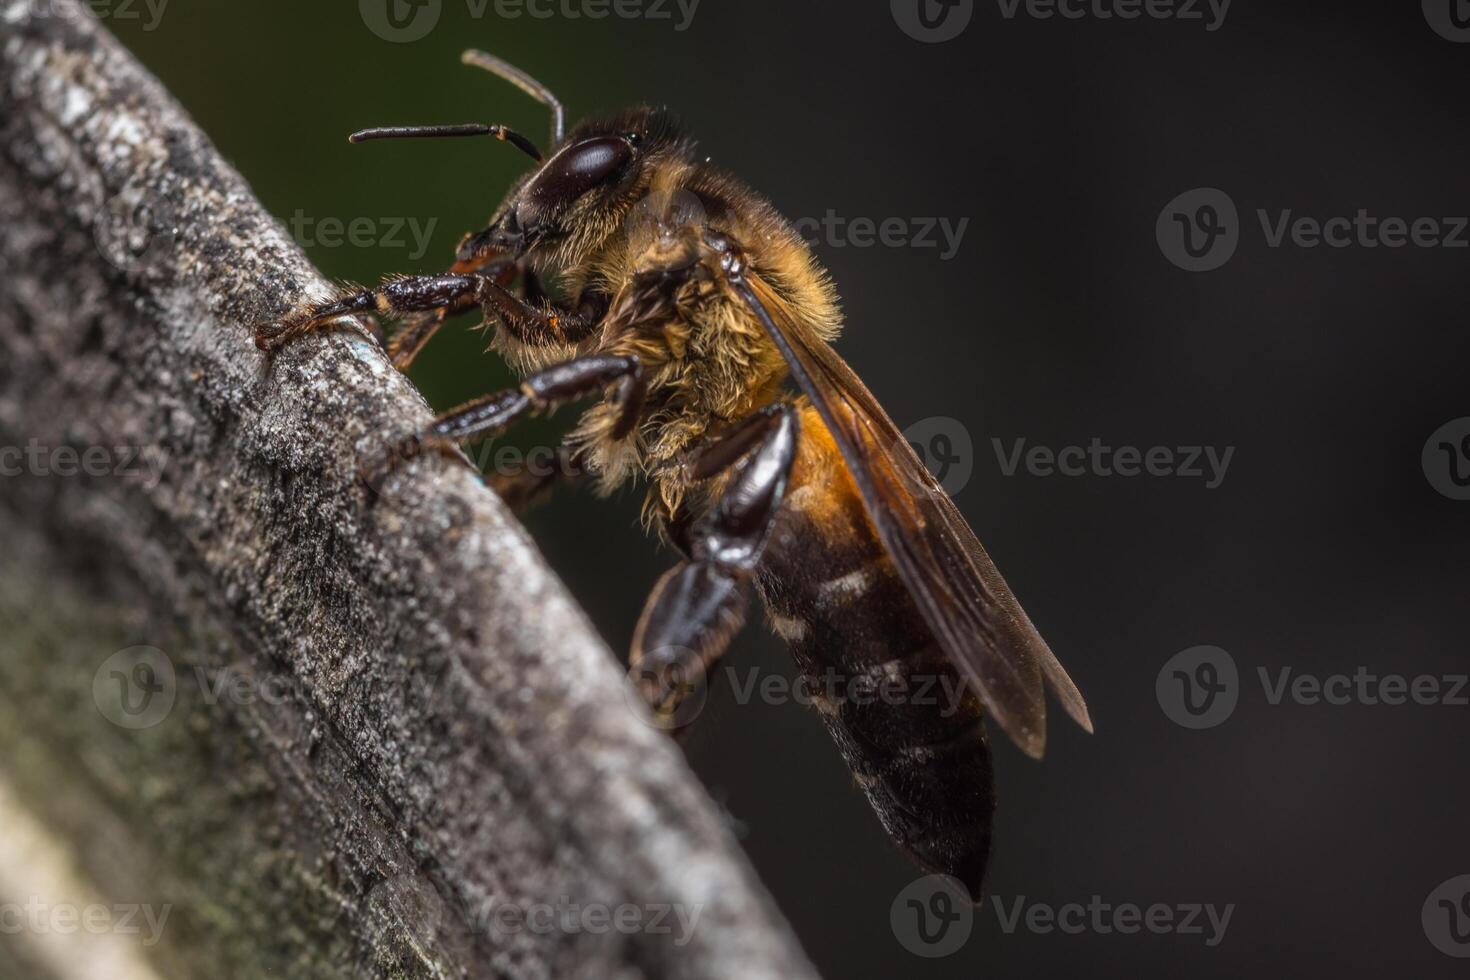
581	194
578	196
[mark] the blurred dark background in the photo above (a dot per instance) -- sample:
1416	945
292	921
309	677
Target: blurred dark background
1325	549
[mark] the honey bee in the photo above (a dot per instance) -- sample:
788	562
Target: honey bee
688	308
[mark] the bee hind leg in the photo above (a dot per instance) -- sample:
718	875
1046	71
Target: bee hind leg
698	606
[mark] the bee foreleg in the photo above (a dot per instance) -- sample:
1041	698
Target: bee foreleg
533	322
699	605
414	294
416	334
539	392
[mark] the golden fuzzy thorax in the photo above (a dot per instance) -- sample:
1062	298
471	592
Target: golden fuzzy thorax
707	361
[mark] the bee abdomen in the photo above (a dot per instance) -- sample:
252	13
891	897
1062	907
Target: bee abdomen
909	728
918	750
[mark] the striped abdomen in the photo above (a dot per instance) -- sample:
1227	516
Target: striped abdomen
908	728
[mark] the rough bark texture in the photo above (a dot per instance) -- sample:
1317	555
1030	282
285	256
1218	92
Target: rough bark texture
390	727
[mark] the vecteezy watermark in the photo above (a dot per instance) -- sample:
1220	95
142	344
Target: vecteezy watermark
1207	463
140	464
671	683
944	446
1099	917
836	231
1446	917
1200	688
135	688
1211	13
1450	19
1446	459
932	21
411	903
1362	230
404	21
566	916
1199	230
134	228
363	232
657	215
932	917
150	12
138	687
38	916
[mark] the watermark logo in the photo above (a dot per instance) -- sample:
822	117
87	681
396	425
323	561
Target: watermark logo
401	21
1104	918
412	903
932	917
1199	230
142	465
568	917
135	688
1450	19
1210	12
1097	458
1446	917
411	234
668	688
1446	459
943	445
148	12
661	217
132	234
40	917
674	687
1198	687
832	230
932	21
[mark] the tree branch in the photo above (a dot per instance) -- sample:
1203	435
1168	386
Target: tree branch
390	728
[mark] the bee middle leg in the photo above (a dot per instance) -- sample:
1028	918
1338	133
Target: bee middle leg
698	606
540	391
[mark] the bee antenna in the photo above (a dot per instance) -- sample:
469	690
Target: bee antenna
524	82
501	133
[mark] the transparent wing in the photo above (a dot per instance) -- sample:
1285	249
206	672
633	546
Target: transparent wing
961	594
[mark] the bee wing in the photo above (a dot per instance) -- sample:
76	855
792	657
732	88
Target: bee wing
961	594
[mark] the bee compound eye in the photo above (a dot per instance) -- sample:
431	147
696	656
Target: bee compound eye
581	167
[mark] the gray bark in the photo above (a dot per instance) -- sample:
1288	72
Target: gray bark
390	728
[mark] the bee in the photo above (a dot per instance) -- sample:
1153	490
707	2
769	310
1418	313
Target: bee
625	269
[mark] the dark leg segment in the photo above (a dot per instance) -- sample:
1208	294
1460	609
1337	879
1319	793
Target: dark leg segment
443	296
544	323
541	391
416	294
414	335
697	607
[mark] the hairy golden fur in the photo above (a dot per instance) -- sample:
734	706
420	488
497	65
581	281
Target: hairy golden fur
707	362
